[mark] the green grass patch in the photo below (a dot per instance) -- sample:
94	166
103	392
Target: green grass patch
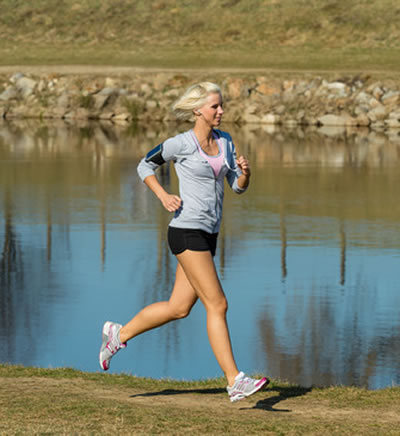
306	58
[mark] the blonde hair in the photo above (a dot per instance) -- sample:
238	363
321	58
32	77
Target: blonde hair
194	98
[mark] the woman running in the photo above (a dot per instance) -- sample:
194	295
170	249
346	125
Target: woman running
203	158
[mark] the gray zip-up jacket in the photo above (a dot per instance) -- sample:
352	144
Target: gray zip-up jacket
201	192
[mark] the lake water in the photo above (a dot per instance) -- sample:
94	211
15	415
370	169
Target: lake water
309	257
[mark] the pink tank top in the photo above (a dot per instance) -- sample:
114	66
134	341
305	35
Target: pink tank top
216	162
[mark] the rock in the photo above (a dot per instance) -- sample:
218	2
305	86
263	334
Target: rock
332	130
392	123
235	88
362	120
63	101
322	91
78	114
251	109
151	104
15	77
377	114
378	125
101	100
362	97
362	109
288	85
301	87
58	112
233	114
270	119
91	89
174	93
332	120
291	123
337	87
350	121
110	83
9	94
269	128
373	103
341	103
17	112
390	98
377	92
309	121
145	89
25	86
169	116
300	115
160	81
124	116
265	89
264	100
107	91
395	115
280	110
106	115
251	118
42	85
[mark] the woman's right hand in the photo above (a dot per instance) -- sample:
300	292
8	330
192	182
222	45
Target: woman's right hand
171	202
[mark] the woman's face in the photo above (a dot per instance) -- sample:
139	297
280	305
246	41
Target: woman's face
212	110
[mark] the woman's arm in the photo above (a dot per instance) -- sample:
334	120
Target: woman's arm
244	179
156	157
169	201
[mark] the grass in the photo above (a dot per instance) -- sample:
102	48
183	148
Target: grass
307	58
66	401
284	34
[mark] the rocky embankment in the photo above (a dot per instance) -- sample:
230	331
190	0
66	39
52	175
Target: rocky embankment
356	101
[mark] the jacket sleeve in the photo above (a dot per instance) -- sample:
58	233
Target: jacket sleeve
169	149
234	171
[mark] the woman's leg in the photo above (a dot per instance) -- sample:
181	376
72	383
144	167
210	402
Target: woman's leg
200	271
183	298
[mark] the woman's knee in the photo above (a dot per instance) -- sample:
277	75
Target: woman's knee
180	312
219	306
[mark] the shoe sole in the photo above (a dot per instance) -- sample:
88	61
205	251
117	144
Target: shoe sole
262	383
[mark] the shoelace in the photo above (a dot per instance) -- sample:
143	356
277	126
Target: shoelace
113	348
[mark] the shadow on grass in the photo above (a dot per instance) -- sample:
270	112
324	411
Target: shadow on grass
209	391
283	393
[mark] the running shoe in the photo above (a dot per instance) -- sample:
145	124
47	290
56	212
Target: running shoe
111	344
245	386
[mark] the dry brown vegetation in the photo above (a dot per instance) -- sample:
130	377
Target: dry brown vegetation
59	401
295	34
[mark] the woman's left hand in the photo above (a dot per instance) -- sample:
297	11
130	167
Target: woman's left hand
244	165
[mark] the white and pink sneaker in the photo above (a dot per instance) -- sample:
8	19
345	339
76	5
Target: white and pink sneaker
111	344
245	386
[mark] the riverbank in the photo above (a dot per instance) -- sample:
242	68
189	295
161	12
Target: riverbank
337	35
331	99
65	401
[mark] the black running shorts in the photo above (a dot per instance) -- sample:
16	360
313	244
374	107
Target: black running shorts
180	240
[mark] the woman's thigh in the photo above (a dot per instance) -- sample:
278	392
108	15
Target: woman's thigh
183	296
200	271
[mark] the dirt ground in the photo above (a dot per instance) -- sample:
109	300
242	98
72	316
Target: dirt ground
304	413
123	70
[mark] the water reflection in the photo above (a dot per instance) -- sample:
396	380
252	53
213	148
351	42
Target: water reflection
308	256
